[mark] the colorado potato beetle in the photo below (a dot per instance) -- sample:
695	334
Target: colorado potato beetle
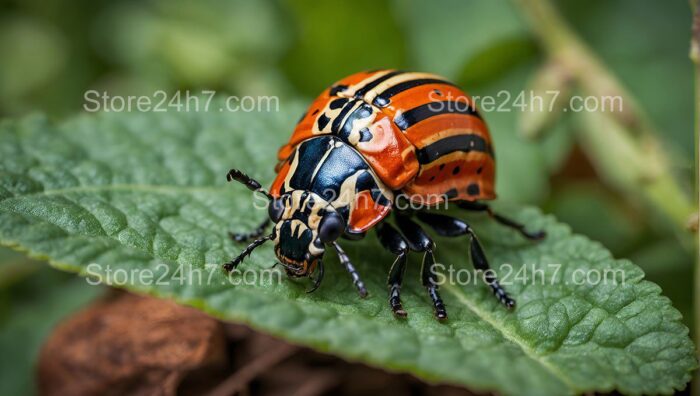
365	143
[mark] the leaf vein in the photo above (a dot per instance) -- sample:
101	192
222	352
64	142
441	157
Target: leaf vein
514	338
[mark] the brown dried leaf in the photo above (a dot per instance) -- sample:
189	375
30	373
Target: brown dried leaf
130	345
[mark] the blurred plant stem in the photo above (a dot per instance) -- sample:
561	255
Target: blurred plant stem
622	145
15	271
695	57
551	78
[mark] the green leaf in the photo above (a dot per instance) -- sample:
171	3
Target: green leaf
137	192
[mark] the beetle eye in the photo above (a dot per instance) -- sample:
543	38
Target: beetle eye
331	227
275	209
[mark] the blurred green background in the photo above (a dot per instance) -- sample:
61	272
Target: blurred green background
52	51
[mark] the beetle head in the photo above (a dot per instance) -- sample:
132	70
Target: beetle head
304	223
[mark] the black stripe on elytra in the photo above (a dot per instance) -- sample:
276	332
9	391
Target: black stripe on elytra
466	143
370	85
362	111
335	127
411	117
383	99
337	103
336	89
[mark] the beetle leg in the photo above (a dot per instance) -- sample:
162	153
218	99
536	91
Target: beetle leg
317	282
231	265
246	236
394	242
482	207
451	227
419	241
250	183
398	268
345	260
428	278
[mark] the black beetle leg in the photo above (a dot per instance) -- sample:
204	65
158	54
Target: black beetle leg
247	236
394	242
482	207
345	260
451	227
419	241
428	278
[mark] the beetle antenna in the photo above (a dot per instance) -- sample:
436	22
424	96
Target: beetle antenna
231	265
319	278
252	184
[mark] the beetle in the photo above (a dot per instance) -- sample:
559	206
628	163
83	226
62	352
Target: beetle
368	141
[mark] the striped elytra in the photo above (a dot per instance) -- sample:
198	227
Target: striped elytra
420	135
